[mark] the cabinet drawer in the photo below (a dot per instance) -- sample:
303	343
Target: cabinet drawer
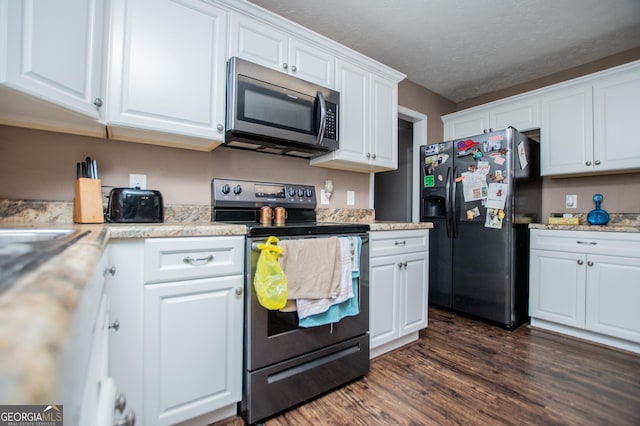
170	259
387	243
589	242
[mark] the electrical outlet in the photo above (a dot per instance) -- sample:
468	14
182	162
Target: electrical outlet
571	201
138	181
323	197
351	198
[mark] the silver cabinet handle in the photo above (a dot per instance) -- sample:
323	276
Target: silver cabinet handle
294	68
590	263
587	243
401	243
400	265
121	403
580	262
198	260
368	155
220	127
404	264
588	163
597	162
97	102
239	290
373	156
128	420
112	270
115	325
285	66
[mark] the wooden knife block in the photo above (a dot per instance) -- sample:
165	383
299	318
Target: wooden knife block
87	204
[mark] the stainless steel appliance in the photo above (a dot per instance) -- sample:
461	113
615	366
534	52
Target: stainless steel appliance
270	111
285	364
481	192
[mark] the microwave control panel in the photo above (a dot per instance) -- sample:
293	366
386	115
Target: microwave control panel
330	129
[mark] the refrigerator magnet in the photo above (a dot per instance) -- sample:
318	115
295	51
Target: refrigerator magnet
473	213
494	218
483	167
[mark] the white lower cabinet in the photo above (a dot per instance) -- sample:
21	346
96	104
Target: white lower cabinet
192	348
181	333
587	284
398	288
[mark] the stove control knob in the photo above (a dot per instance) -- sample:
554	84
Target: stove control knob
291	192
308	193
226	189
300	192
237	189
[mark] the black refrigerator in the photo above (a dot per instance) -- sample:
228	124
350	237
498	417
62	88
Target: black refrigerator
481	192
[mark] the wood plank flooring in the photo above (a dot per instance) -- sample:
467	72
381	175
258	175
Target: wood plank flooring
468	373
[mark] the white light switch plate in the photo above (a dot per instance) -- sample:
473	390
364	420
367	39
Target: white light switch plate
351	198
571	201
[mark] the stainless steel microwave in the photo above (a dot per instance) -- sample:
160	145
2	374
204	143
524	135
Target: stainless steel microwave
270	111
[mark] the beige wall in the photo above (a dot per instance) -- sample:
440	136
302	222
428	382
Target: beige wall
420	99
621	193
39	165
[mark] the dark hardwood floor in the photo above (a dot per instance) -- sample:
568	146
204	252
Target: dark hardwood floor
469	373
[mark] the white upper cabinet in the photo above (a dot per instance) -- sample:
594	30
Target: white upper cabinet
368	126
167	73
265	45
616	110
566	134
51	70
522	114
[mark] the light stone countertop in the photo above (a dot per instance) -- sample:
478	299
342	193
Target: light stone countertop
594	228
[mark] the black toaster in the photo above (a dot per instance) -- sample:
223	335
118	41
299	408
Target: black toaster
134	206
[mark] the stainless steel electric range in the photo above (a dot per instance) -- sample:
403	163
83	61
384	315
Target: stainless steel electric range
285	364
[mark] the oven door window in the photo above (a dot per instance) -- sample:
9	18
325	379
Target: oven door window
263	103
281	322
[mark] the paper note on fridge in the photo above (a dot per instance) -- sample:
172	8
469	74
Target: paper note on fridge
522	155
474	186
497	195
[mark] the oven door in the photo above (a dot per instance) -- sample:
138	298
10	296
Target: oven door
274	336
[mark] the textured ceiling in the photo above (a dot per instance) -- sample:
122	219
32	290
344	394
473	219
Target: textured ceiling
461	49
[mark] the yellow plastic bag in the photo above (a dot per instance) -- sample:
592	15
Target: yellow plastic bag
269	281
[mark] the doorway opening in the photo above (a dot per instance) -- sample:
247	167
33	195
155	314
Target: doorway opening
396	193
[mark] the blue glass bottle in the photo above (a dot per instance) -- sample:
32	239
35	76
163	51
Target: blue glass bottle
598	216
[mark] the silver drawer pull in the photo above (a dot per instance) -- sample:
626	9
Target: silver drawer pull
587	243
198	260
401	243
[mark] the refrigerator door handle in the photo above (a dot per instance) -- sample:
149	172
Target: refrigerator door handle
454	209
447	204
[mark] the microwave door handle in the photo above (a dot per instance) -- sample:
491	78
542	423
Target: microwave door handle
323	117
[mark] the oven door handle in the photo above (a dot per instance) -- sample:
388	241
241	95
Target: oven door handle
323	117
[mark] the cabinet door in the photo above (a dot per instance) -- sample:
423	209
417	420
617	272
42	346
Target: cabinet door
257	42
383	300
616	103
311	63
470	124
126	308
192	348
384	124
167	71
566	133
415	290
613	293
353	85
54	51
557	287
523	115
